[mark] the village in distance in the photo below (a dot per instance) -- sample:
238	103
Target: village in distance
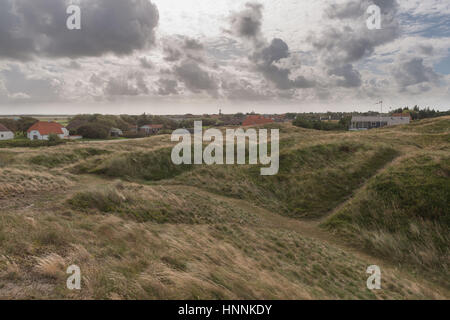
17	128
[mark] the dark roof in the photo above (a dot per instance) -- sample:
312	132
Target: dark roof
3	128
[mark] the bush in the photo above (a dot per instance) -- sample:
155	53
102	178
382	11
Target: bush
321	125
22	143
52	138
93	131
134	135
151	166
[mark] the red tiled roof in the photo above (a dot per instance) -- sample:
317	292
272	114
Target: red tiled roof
46	128
255	120
3	128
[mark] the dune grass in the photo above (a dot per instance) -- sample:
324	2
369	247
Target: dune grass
225	232
153	165
311	182
52	160
156	204
404	215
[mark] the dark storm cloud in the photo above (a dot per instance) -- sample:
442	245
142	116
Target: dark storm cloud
145	63
276	51
191	67
195	78
172	53
356	9
244	90
340	46
38	28
348	77
426	49
414	72
40	89
266	59
247	23
132	84
192	44
179	47
74	65
167	87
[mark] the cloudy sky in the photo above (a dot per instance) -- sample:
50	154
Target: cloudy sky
196	56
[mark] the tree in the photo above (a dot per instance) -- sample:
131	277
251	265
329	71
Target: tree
24	123
10	124
53	138
345	122
94	131
291	115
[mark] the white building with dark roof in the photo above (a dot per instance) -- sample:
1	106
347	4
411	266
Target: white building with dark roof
371	122
5	133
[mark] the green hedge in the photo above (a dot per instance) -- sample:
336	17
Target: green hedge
23	143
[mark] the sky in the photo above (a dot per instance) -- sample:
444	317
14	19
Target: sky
199	56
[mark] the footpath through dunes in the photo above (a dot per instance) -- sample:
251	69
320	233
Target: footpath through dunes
140	228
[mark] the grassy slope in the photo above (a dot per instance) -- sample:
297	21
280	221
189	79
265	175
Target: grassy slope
216	232
403	214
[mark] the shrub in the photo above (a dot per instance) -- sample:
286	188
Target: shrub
23	143
320	125
52	138
153	166
94	131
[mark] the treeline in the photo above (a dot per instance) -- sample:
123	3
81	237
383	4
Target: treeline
98	126
417	114
19	126
311	123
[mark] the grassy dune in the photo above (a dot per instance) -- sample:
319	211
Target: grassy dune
403	214
141	228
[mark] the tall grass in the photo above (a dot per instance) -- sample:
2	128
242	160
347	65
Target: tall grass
52	160
403	215
156	204
153	166
311	182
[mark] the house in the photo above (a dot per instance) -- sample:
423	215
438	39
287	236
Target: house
280	118
132	129
5	133
151	128
253	120
371	122
115	132
42	130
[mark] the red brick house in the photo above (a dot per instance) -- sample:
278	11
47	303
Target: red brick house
254	120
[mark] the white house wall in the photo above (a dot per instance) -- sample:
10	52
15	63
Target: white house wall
31	134
6	135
